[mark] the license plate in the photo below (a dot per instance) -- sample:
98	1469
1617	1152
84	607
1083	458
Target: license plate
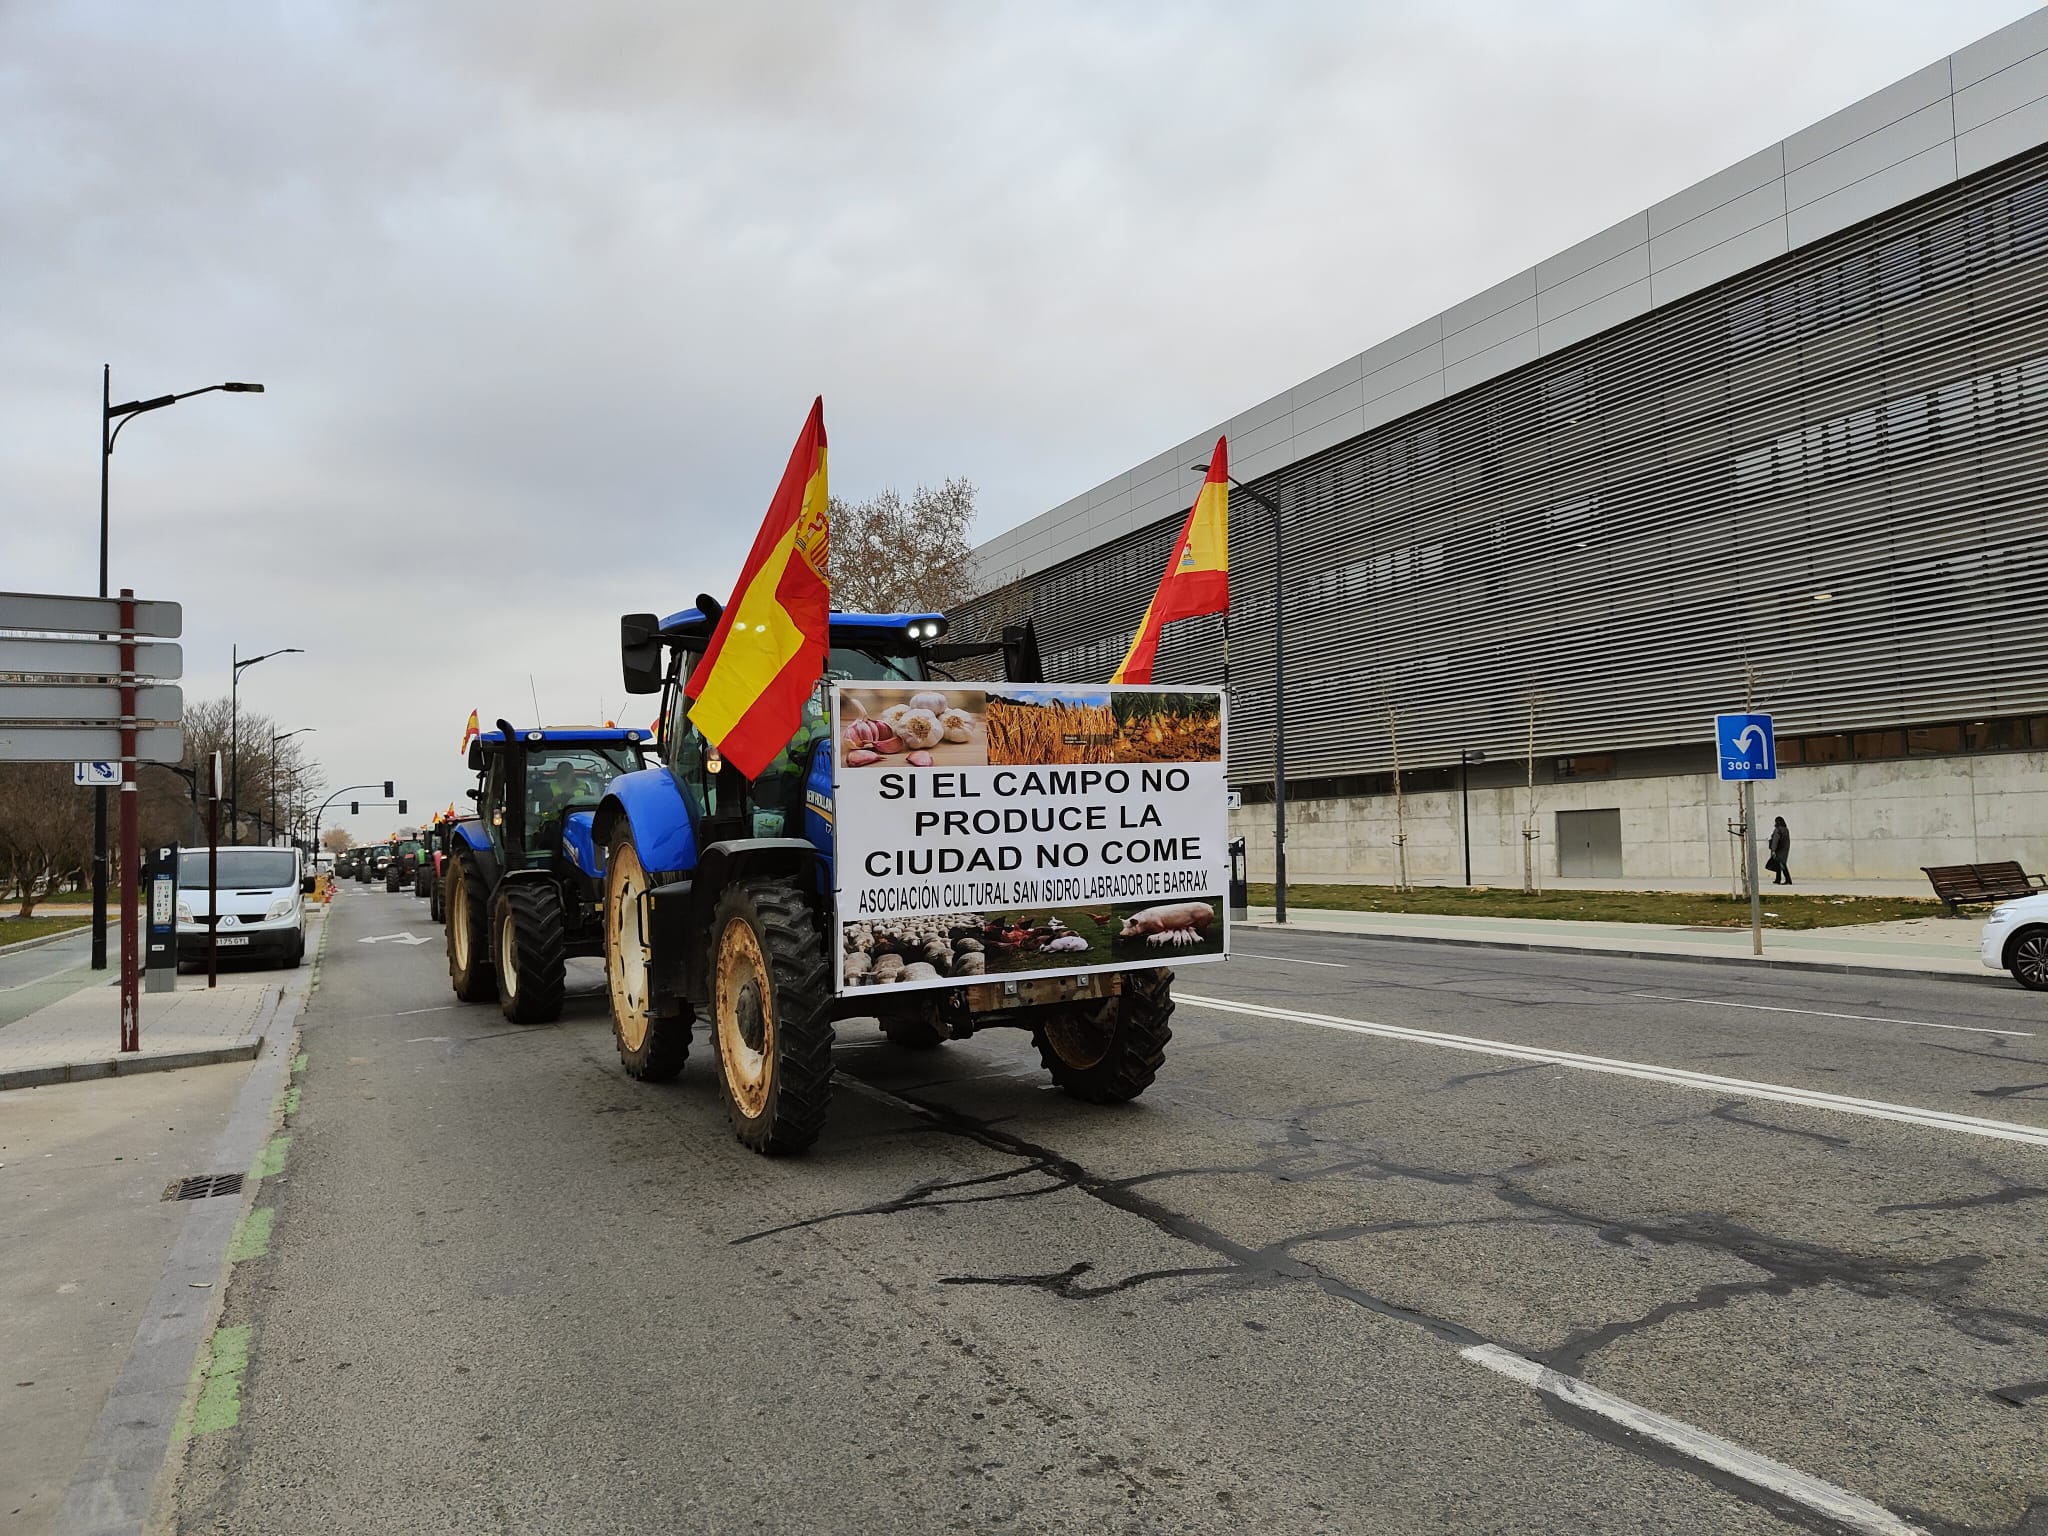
224	943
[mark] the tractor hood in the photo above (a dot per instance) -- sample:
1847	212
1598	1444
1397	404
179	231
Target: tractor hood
580	846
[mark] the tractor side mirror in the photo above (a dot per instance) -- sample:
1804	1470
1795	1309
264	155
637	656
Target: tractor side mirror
640	652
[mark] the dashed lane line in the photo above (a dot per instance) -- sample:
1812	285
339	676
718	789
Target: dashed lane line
1816	1013
1781	1093
1259	954
1837	1504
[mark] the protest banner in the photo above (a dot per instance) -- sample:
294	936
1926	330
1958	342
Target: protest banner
985	831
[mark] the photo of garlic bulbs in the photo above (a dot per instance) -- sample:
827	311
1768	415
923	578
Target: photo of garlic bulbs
912	727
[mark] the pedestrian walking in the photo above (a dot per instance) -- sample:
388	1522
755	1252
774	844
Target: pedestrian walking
1780	862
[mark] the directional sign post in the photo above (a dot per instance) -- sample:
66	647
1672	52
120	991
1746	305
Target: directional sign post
1748	750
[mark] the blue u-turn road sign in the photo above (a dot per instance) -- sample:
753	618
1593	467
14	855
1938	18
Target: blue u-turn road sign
1746	747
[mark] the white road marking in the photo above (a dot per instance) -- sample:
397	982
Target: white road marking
1836	1504
411	1012
1256	954
394	938
1860	1018
1810	1098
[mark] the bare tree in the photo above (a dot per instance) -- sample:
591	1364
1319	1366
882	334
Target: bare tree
891	555
45	831
337	840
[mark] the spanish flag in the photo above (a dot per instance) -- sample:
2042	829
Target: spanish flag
768	651
470	732
1197	579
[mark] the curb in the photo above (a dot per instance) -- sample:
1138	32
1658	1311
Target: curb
50	938
116	1066
1831	967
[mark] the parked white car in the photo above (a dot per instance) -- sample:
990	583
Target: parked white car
2016	940
262	904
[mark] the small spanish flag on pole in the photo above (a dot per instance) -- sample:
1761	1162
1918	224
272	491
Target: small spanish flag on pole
470	732
1197	579
769	648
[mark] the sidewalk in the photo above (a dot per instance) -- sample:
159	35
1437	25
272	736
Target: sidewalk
78	1035
1935	946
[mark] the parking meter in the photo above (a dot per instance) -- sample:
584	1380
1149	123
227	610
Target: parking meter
1240	883
160	919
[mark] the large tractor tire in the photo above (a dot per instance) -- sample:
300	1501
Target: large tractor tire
653	1038
529	952
469	932
437	900
1108	1051
771	996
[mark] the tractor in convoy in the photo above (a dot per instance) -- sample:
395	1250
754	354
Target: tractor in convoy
523	888
718	898
405	860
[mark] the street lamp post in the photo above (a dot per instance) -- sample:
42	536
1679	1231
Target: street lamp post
112	419
275	738
1279	697
1466	758
241	662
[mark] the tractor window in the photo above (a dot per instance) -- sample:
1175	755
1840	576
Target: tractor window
845	665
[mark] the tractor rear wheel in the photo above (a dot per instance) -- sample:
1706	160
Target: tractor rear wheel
530	959
437	901
469	929
653	1035
1108	1051
771	998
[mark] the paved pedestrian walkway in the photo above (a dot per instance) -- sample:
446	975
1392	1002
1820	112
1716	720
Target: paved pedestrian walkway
1929	945
77	1035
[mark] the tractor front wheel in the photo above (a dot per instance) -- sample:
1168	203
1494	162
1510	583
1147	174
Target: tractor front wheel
531	963
653	1036
771	1003
1108	1052
469	928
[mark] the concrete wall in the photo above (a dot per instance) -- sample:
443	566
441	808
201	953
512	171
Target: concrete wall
1849	821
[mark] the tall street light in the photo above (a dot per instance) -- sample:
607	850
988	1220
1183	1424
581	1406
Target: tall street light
1279	697
275	738
112	419
241	663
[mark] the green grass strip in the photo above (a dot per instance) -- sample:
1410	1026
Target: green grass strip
298	1063
218	1405
291	1100
271	1163
1692	909
252	1235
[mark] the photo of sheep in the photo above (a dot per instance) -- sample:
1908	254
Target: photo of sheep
912	727
1140	725
964	947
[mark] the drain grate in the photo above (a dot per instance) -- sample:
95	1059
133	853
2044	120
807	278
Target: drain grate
205	1186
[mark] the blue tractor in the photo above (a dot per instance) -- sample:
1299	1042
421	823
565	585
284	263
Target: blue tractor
718	898
523	885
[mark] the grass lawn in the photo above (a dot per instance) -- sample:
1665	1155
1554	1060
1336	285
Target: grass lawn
14	929
1688	908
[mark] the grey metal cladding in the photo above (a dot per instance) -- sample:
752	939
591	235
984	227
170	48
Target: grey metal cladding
1830	465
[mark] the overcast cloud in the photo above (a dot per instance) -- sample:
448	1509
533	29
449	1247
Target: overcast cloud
541	292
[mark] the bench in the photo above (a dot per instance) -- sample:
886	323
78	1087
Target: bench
1958	883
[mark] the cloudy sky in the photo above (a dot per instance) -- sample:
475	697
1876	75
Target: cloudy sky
541	292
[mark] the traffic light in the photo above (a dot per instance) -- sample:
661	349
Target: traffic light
389	791
401	807
355	807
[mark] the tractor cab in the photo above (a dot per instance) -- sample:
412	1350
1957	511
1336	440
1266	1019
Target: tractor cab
529	791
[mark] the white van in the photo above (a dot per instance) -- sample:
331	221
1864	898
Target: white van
262	903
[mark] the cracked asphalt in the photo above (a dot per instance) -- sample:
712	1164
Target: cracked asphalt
509	1289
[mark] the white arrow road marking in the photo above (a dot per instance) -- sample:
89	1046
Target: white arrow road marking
395	938
1780	1093
1838	1504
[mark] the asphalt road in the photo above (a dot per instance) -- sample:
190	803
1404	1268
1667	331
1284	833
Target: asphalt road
1617	1257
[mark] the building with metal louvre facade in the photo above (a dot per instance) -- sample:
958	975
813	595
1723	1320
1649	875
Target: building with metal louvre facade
1787	430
